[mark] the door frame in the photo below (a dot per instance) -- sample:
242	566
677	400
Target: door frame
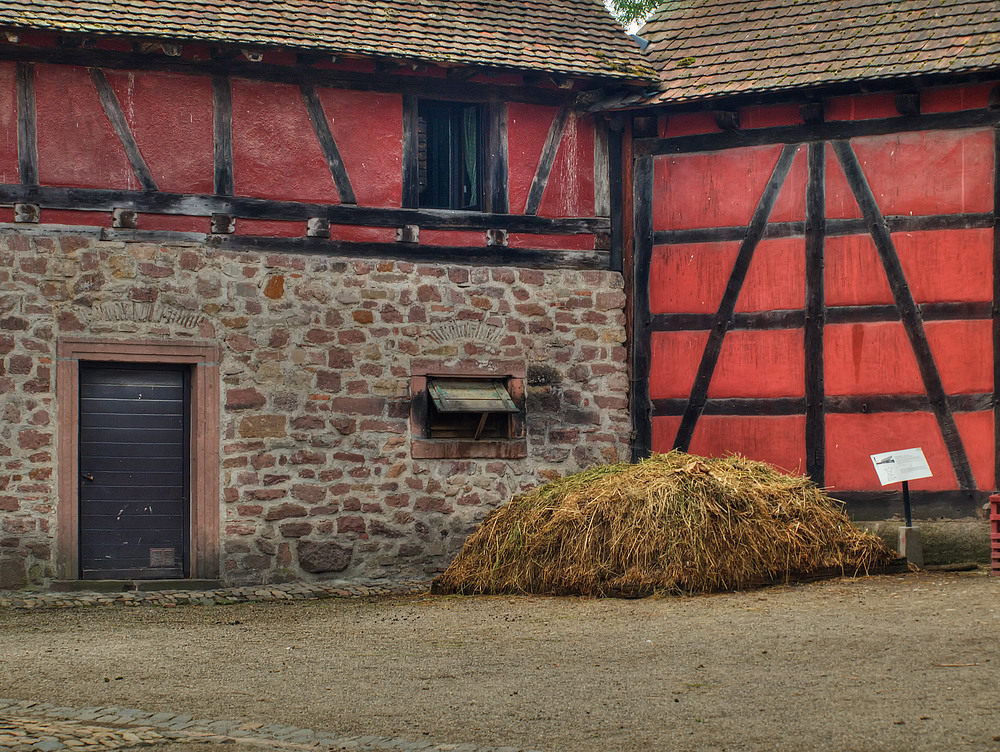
203	359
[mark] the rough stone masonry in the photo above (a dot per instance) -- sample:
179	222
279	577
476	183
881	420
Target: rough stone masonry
317	476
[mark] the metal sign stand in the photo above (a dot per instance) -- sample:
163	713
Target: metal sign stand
903	466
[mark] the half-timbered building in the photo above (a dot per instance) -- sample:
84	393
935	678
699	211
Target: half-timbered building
816	192
300	290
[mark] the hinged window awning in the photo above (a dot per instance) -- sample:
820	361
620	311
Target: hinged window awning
470	396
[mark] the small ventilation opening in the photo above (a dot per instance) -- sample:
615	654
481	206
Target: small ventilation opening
469	409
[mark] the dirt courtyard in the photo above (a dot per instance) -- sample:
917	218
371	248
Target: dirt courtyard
906	662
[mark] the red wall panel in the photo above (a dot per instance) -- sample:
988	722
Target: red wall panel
527	128
691	278
851	439
275	151
76	144
751	364
170	116
570	188
976	430
769	363
947	172
8	124
861	107
368	129
853	273
779	440
947	265
952	100
963	353
870	358
675	359
717	189
940	266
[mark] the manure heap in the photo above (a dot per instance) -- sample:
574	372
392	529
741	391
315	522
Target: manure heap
674	523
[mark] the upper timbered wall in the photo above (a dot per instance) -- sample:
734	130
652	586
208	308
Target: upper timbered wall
883	379
176	122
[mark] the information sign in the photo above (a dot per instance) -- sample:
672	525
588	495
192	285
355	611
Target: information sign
901	465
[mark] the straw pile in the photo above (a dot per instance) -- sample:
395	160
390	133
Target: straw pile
673	523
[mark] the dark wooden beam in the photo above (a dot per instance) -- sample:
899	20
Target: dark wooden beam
545	162
794	318
834	227
642	256
97	199
222	103
327	144
27	130
841	404
493	255
882	505
113	110
909	314
410	157
497	169
616	199
815	314
906	403
810	132
723	318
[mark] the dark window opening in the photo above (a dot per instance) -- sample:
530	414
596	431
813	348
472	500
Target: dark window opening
469	409
449	155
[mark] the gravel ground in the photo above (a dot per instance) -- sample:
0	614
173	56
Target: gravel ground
909	662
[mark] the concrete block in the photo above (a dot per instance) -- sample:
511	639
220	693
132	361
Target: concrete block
910	546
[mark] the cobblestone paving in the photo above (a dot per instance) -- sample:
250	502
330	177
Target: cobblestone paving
42	727
253	593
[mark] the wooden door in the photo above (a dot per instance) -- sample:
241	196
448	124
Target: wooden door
134	467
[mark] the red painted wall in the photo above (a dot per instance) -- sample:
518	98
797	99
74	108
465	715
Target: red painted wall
8	125
925	173
276	154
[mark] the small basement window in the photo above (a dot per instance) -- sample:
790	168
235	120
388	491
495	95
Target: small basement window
469	409
466	412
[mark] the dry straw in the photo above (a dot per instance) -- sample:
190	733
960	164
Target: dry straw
673	523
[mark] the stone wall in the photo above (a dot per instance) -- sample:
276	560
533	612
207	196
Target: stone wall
317	477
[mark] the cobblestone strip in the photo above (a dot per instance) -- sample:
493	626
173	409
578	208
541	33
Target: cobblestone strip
19	599
43	727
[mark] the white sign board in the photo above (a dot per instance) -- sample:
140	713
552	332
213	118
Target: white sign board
903	464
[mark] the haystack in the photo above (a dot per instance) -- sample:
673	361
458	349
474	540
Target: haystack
673	523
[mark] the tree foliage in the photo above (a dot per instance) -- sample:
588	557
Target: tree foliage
631	11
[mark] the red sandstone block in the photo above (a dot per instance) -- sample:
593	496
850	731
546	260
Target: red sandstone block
309	493
269	494
358	405
9	504
155	271
31	439
306	457
260	461
241	343
14	323
249	510
433	504
285	511
244	399
295	529
350	524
